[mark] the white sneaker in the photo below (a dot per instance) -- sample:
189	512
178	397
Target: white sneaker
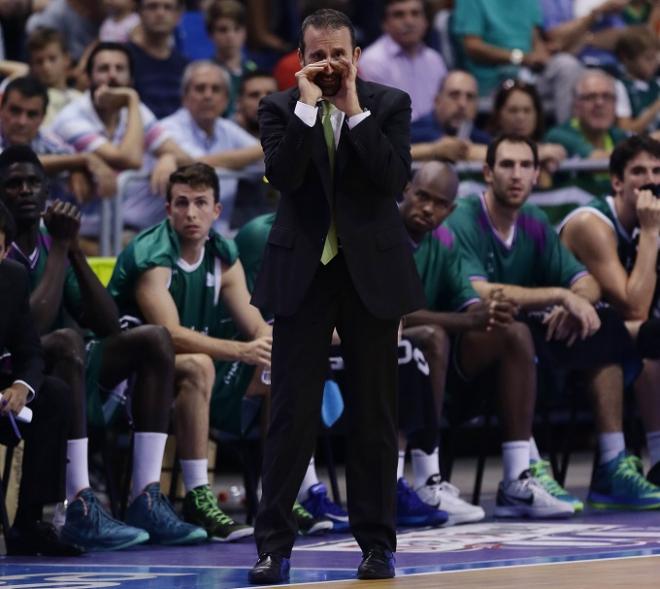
526	497
445	496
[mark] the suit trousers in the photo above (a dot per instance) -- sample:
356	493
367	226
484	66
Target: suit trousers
301	344
44	456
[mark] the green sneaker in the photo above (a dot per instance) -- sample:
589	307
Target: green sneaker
620	484
541	471
200	507
308	525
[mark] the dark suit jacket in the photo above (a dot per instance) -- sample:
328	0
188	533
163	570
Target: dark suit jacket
372	165
17	332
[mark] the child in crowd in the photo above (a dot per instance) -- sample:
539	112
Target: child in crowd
225	24
121	19
50	63
638	89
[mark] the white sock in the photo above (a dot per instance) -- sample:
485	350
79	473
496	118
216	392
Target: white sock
610	446
148	450
309	480
515	458
195	473
653	447
424	466
401	464
534	454
77	472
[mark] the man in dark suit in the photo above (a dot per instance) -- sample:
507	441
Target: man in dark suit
22	381
337	256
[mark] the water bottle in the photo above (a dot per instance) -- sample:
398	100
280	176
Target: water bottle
232	498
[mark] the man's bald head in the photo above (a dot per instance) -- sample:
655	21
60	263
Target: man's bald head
429	198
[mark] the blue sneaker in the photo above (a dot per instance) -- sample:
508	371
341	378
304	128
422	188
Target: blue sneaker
540	470
319	505
620	484
152	511
412	511
91	527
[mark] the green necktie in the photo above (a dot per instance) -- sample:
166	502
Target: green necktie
331	245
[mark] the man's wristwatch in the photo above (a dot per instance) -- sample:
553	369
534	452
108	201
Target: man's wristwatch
516	56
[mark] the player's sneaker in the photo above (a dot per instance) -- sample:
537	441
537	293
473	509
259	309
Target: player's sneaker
321	507
308	525
412	511
200	507
91	527
443	495
620	484
526	497
540	470
152	511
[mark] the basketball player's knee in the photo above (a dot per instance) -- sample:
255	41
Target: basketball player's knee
197	375
65	348
435	342
518	341
155	343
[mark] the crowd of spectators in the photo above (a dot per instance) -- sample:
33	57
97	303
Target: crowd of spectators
129	92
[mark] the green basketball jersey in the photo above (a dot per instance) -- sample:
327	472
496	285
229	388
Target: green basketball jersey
446	286
251	242
534	258
35	264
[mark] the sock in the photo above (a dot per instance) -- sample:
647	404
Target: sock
610	446
309	480
534	454
653	446
77	472
515	458
195	473
424	465
400	465
148	450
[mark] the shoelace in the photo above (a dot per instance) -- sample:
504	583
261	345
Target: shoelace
327	506
300	511
161	508
629	469
447	487
205	501
540	471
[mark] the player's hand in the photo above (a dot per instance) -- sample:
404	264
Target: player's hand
584	312
14	398
62	219
648	210
310	93
258	351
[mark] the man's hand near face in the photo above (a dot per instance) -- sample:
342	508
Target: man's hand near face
346	98
109	98
310	92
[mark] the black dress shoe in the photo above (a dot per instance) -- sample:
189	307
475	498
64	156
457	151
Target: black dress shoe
270	569
377	563
39	538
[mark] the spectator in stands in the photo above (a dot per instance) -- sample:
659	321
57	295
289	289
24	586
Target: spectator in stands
501	40
120	20
517	110
617	240
158	65
50	63
588	34
592	131
176	274
44	458
62	283
638	106
508	245
76	20
254	86
399	58
22	111
449	131
225	24
198	129
110	121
